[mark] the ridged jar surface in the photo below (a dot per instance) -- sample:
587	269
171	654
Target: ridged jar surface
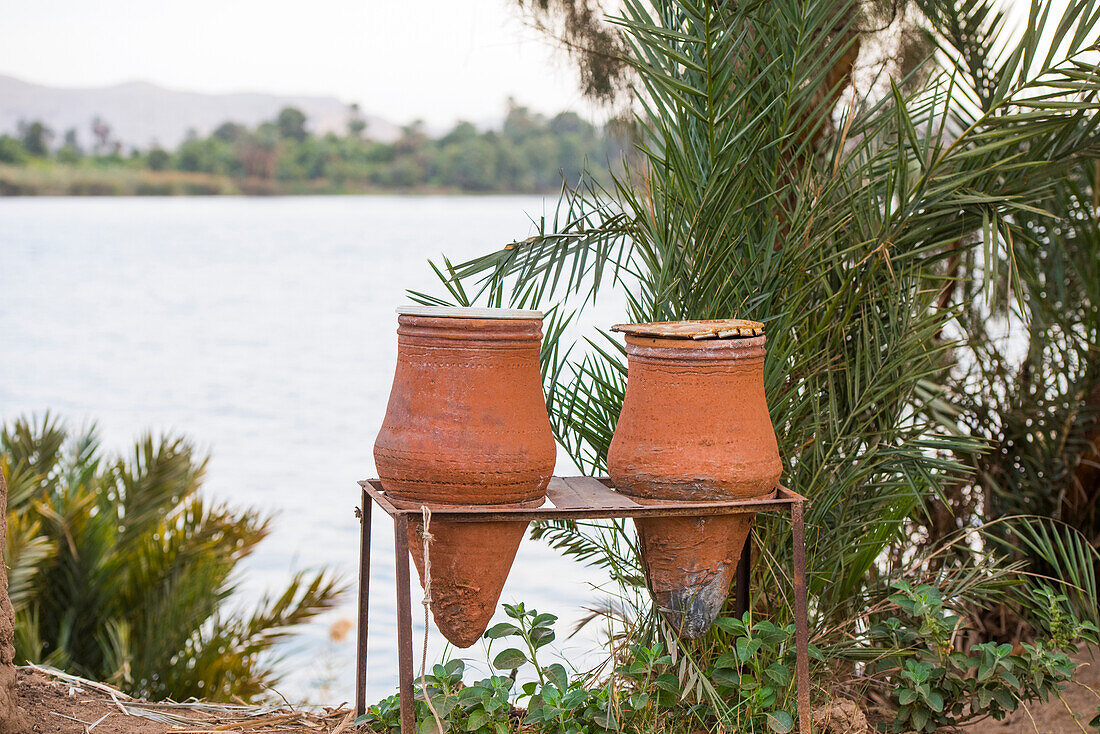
694	423
466	421
466	424
694	427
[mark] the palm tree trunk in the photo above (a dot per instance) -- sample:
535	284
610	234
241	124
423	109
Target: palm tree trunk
11	720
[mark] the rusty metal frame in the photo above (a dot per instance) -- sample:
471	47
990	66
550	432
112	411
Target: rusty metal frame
372	493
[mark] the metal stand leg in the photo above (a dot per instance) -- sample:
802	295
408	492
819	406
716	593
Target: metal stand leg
404	623
744	569
801	623
364	594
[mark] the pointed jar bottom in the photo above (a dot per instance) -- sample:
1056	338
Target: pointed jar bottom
470	564
690	563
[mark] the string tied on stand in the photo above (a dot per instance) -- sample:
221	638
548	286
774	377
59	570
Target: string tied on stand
426	538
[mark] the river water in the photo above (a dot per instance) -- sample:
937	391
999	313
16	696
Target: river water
263	329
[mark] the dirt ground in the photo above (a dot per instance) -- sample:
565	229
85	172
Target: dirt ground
59	707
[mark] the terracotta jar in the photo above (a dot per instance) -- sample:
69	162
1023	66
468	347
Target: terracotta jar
695	427
466	424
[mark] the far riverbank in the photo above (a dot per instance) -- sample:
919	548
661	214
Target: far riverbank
61	180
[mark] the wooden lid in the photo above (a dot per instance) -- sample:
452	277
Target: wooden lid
712	329
457	312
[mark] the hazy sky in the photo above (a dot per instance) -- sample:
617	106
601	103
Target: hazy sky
434	59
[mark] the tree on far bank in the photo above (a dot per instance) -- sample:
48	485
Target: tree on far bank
229	132
101	131
70	151
258	152
291	124
12	151
157	159
72	140
356	123
35	137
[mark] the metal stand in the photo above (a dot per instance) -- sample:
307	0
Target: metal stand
570	498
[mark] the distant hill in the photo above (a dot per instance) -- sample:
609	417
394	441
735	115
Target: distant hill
141	114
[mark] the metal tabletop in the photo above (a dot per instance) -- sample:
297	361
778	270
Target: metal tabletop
572	498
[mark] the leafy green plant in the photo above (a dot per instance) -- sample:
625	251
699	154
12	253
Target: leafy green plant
650	676
937	684
122	572
750	678
555	703
483	707
533	629
759	669
753	683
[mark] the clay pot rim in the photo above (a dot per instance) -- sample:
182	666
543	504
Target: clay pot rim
703	345
743	351
469	332
470	312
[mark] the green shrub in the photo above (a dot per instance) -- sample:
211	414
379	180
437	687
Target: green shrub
12	151
936	684
753	684
121	571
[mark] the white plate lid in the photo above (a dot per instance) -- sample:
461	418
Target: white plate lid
460	312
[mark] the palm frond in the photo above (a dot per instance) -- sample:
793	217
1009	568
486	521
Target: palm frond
121	571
